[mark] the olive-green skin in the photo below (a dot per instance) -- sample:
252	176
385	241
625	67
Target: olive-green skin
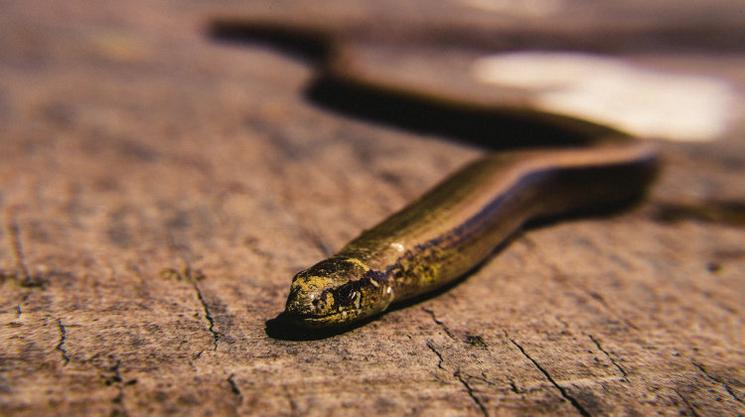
459	223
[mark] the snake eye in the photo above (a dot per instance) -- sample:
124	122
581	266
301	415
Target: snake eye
343	293
346	295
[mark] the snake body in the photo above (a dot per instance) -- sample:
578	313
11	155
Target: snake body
455	226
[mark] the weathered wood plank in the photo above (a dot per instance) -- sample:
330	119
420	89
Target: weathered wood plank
158	190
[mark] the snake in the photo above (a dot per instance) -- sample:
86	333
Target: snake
459	223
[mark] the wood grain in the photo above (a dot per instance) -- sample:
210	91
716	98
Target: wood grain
158	190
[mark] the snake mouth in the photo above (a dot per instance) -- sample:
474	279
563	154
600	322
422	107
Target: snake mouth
289	326
325	320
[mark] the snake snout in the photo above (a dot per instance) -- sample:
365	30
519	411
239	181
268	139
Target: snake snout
308	299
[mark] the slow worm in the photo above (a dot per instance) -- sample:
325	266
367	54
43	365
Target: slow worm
456	225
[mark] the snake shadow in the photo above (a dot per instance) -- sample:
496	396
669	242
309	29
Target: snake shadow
280	327
490	129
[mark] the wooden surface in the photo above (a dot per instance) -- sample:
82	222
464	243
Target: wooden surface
159	189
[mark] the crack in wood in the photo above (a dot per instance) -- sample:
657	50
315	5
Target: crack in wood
688	404
459	377
235	389
440	323
434	350
62	339
610	358
513	386
205	306
726	386
188	275
564	393
471	393
117	380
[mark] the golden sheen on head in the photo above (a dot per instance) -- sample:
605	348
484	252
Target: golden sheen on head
335	292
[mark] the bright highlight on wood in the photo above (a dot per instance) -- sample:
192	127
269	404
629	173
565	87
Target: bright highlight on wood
610	91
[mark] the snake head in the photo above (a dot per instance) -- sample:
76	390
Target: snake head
336	292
